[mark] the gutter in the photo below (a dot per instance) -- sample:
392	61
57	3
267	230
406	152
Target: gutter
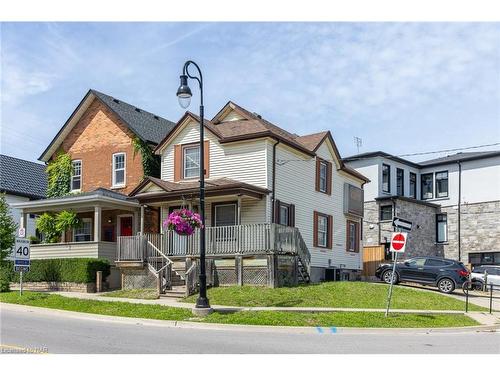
273	183
459	208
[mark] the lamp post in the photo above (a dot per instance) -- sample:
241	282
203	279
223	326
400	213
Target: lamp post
184	95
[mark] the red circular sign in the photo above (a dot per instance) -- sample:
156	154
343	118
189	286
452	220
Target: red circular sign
398	241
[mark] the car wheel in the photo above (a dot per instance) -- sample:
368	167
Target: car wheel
446	285
387	276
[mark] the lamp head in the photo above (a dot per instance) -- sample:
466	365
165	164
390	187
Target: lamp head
184	92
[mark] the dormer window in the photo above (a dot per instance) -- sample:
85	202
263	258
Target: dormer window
191	161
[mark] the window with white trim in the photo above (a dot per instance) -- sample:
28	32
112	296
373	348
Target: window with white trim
76	175
322	231
191	161
84	232
119	166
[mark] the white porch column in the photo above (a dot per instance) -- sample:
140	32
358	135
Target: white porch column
97	223
142	219
136	222
239	210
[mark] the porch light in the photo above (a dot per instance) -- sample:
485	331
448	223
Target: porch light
184	92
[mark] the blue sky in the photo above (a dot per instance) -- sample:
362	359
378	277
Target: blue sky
401	87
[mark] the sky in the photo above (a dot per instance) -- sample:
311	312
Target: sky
401	87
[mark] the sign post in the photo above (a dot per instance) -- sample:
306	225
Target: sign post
398	244
21	259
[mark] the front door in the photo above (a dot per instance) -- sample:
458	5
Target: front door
126	226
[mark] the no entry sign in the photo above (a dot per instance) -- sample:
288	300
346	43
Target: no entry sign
398	242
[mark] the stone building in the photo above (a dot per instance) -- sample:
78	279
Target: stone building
453	202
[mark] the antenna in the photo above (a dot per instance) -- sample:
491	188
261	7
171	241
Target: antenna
358	142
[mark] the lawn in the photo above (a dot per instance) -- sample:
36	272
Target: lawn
133	293
276	318
333	294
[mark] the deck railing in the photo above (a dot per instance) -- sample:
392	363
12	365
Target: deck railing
248	239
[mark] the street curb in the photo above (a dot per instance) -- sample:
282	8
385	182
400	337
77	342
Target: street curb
242	327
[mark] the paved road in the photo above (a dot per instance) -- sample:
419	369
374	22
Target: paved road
21	328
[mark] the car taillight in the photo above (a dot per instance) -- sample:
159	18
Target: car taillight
463	273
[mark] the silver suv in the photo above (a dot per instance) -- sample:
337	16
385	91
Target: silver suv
479	273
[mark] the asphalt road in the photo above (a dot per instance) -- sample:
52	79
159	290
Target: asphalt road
59	333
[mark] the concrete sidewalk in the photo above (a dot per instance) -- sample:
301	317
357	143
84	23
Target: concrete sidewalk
174	303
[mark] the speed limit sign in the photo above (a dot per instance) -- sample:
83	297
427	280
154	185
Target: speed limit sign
22	251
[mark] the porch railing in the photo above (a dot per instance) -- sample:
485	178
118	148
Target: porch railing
249	239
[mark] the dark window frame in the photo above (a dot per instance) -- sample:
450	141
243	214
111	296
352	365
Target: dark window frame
400	179
327	189
438	216
422	179
381	216
414	175
348	236
329	230
388	168
447	184
291	213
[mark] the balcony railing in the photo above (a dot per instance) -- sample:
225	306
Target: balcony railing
249	239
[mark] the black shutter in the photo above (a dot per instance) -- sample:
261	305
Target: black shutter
277	211
291	213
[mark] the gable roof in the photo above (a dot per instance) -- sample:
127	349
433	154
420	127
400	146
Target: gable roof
145	125
22	177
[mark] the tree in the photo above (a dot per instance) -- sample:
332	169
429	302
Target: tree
8	229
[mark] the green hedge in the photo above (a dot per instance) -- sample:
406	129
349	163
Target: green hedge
77	270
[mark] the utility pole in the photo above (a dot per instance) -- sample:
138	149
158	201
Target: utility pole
358	142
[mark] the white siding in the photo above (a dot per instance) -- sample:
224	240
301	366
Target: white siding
295	183
16	213
242	161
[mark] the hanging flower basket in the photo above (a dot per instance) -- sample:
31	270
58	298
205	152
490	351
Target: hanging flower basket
183	222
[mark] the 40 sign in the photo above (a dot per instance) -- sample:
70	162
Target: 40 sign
22	254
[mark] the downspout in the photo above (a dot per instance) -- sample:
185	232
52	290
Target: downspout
459	208
273	182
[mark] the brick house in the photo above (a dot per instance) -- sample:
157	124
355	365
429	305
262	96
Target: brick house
99	138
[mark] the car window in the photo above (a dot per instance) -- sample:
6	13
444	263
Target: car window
493	271
416	262
435	263
478	270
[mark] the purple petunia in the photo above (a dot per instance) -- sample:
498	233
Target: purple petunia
183	222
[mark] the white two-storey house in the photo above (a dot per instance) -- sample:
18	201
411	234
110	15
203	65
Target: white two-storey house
259	175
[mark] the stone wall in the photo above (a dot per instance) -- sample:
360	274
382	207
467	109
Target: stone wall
422	238
57	286
480	229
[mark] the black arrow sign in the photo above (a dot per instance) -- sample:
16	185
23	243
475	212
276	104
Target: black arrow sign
401	223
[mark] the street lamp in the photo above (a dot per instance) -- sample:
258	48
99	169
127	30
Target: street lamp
184	95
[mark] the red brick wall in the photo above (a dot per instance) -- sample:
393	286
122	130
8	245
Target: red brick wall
94	139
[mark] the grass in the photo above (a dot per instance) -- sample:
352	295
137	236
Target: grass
342	319
336	319
127	309
333	294
134	293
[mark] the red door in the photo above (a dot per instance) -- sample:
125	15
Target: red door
126	226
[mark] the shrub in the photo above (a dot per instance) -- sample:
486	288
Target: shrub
7	229
4	282
77	270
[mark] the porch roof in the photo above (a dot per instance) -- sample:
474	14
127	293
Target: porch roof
100	197
174	190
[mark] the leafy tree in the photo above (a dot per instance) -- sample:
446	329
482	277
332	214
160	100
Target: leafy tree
8	229
59	173
46	224
66	220
150	162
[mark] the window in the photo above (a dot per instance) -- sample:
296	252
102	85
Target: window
285	214
353	200
224	214
435	263
413	185
477	259
322	230
441	228
119	169
386	212
415	262
400	182
441	184
386	178
352	236
426	186
191	161
84	232
323	176
76	175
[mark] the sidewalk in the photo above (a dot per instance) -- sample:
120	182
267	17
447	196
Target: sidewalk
174	303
